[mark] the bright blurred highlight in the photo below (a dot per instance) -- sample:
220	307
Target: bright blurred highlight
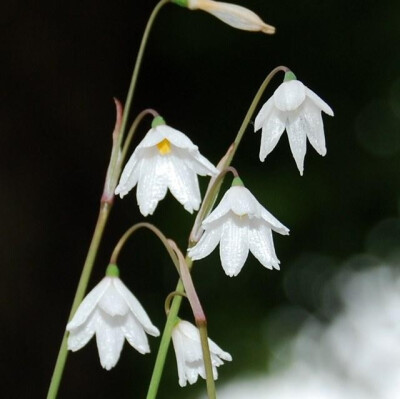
356	355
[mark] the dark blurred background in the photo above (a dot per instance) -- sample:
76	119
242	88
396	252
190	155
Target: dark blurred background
62	64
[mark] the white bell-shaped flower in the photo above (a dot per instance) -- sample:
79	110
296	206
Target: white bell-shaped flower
236	16
165	158
113	313
189	354
239	224
297	109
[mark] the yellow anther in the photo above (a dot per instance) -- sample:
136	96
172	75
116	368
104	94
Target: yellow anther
164	147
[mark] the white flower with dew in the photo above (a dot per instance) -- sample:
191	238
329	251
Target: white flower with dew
297	109
165	158
113	313
239	224
234	15
189	355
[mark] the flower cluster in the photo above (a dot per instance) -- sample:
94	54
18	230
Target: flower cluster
166	159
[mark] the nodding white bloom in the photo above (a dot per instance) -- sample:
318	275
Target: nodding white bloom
165	158
298	109
239	224
113	313
236	16
189	355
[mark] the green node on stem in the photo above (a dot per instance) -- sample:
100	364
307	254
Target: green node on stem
157	121
112	270
182	3
237	181
289	75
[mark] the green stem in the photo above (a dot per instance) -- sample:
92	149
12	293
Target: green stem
202	326
132	230
138	63
251	111
166	339
199	316
105	209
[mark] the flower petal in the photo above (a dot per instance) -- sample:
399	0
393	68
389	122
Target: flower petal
136	308
152	185
89	303
182	182
274	223
110	339
177	340
207	243
263	116
220	210
315	131
271	133
296	129
191	351
319	102
80	336
152	138
260	238
243	202
135	335
289	95
177	138
129	177
216	351
112	302
234	245
195	161
191	341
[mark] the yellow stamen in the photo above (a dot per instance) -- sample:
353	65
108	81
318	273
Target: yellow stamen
164	147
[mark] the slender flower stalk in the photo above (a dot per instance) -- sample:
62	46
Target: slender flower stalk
132	230
209	198
105	209
132	131
137	66
199	316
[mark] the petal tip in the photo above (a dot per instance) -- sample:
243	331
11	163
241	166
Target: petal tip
268	29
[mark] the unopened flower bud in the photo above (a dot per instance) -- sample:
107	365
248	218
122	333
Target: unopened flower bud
236	16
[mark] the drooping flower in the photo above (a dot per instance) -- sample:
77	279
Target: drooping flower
165	158
189	355
239	224
113	313
236	16
297	109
